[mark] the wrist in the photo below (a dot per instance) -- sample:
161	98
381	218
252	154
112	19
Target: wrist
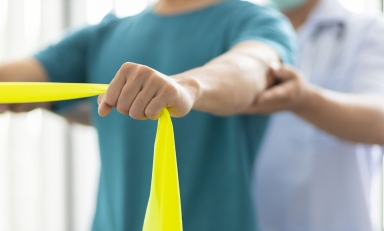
191	85
308	97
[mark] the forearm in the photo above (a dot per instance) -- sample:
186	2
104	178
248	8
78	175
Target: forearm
230	83
27	70
354	118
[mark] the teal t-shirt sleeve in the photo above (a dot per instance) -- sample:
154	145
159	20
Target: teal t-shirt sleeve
265	24
66	61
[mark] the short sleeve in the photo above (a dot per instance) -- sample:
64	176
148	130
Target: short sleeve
265	24
368	75
67	60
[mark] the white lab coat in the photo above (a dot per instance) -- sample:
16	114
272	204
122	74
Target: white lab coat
305	179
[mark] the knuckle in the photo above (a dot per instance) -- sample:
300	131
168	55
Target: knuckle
126	66
155	80
155	83
140	69
110	101
144	72
170	91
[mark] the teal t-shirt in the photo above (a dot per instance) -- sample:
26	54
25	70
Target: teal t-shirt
215	154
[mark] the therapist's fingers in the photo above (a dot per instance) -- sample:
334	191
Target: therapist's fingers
285	73
279	94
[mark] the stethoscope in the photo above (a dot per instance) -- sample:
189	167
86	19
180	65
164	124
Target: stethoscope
317	70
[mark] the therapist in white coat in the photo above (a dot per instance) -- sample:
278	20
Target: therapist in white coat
314	173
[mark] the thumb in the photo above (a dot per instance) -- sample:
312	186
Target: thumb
104	108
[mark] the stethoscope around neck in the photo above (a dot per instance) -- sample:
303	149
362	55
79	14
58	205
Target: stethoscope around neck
310	65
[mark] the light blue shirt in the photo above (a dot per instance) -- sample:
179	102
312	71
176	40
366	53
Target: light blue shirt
307	180
215	154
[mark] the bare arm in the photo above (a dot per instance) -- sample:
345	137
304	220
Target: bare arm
224	86
230	83
356	118
353	117
27	70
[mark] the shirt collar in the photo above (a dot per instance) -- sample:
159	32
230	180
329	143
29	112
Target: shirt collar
326	11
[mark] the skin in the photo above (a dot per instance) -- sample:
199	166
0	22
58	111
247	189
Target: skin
26	70
355	118
299	15
225	86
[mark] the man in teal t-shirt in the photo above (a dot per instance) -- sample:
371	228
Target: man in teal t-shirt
206	61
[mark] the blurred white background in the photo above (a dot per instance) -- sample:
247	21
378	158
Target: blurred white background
49	167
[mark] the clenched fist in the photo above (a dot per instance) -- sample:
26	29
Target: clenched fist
141	92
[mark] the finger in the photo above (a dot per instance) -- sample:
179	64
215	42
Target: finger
100	98
153	110
117	84
278	94
104	109
128	95
137	110
285	73
134	85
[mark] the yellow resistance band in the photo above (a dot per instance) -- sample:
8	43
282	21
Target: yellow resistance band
164	207
47	92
